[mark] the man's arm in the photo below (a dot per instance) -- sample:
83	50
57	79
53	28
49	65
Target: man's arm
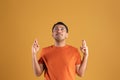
38	68
82	67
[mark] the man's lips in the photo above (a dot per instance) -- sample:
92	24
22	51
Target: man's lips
59	34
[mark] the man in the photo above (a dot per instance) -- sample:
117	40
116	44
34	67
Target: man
60	61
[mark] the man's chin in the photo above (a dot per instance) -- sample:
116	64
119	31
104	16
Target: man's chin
59	40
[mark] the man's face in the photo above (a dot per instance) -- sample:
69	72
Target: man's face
59	33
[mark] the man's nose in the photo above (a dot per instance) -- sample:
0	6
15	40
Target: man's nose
59	31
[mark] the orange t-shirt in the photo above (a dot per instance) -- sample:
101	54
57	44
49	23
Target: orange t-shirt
60	62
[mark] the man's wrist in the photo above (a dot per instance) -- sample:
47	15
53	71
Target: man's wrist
85	55
33	55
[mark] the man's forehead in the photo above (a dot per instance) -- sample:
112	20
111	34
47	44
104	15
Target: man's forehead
59	26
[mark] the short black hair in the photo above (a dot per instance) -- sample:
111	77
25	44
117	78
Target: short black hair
60	23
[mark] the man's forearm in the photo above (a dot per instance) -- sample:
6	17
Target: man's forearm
38	68
83	65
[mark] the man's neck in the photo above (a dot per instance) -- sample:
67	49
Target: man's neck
60	43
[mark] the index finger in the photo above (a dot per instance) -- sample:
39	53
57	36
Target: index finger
83	43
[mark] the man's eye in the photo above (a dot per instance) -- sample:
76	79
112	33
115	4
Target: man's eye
62	28
56	28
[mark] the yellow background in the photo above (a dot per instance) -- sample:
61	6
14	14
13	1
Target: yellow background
96	21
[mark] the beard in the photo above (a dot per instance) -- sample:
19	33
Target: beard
59	38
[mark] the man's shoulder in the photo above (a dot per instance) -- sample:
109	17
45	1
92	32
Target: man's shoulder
73	49
48	47
70	46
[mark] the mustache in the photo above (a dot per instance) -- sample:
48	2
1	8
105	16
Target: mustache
59	34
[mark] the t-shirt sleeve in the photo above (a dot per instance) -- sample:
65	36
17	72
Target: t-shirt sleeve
40	60
78	57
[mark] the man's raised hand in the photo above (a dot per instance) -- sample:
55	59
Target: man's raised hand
84	48
35	47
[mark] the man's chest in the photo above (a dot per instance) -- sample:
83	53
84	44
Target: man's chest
60	58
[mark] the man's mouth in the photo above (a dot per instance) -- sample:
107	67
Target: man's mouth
58	34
